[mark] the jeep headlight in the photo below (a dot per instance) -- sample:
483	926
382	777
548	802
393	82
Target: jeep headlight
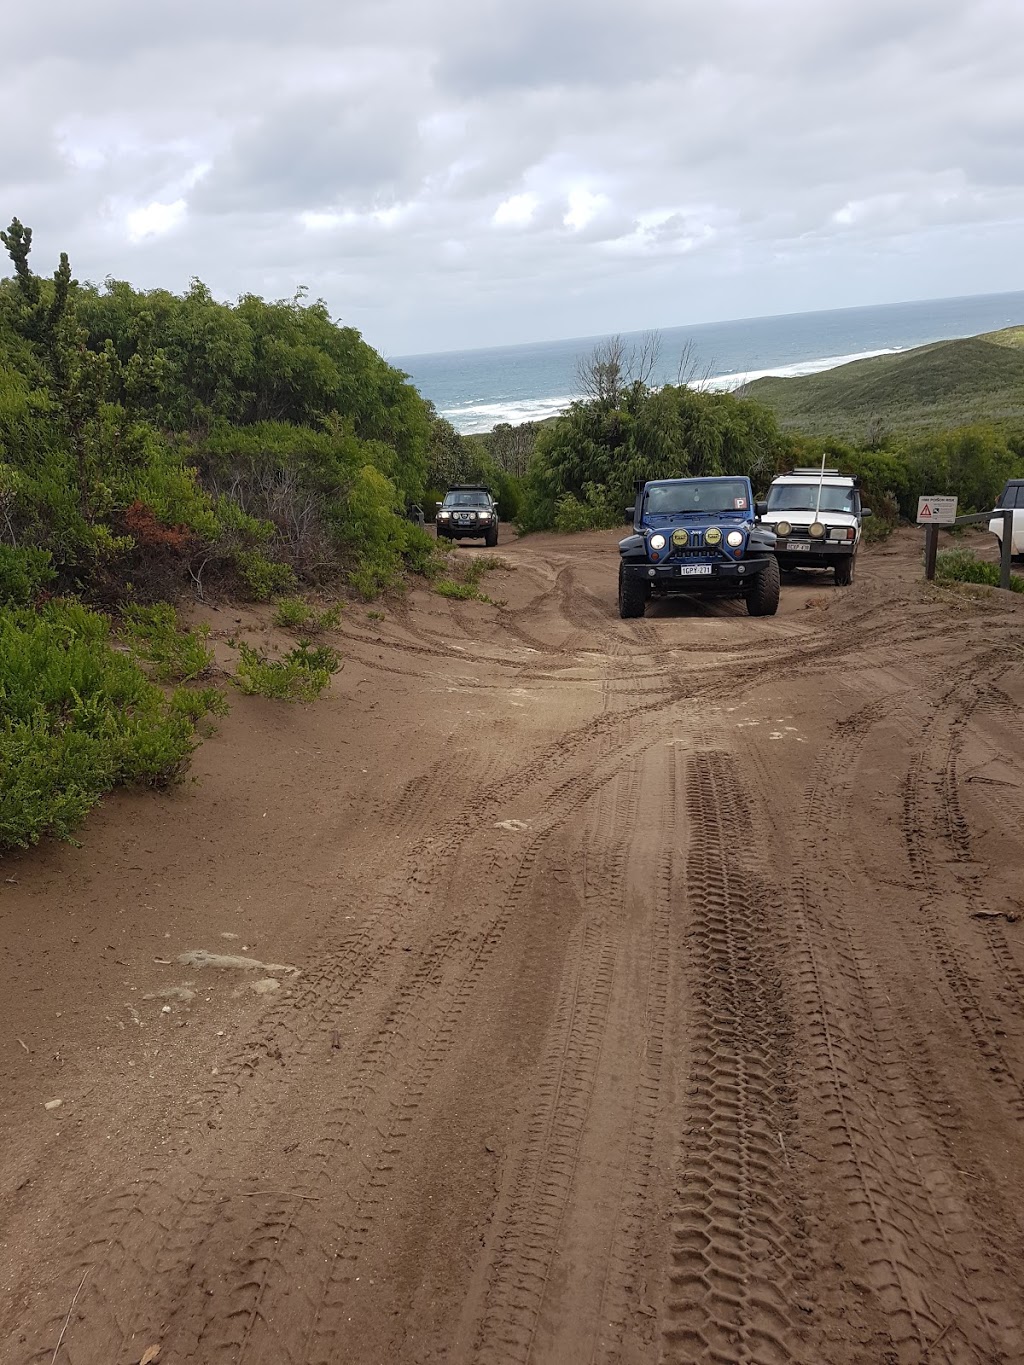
712	536
443	516
782	528
816	530
734	538
657	541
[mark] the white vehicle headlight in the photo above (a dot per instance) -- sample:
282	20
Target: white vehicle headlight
443	516
734	538
658	541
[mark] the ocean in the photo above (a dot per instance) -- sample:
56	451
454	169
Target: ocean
477	389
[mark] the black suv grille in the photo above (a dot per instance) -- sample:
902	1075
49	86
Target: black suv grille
690	552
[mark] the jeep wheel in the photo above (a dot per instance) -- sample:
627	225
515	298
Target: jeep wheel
844	571
763	593
632	595
491	538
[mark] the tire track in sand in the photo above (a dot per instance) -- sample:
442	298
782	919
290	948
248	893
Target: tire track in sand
734	1244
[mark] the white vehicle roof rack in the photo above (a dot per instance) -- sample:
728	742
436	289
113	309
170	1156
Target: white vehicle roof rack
818	473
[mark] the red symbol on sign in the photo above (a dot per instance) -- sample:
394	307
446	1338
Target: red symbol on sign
926	511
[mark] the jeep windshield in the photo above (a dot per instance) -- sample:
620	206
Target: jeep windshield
803	497
686	497
466	500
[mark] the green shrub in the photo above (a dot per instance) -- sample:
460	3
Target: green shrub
419	550
263	577
474	569
294	614
154	635
301	675
962	566
462	592
24	574
78	718
465	575
593	514
197	702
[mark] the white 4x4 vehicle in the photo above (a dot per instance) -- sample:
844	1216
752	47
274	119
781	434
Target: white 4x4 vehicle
1011	496
816	516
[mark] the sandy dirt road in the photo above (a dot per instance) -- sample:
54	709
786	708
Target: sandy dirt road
659	997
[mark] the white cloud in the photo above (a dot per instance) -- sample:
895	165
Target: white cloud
516	211
584	206
155	220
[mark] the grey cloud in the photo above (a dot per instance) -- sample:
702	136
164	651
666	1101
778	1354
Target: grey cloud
535	45
322	149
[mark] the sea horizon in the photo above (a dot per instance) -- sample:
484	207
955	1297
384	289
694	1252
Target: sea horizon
478	388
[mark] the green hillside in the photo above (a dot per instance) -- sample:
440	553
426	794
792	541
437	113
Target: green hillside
948	384
1009	336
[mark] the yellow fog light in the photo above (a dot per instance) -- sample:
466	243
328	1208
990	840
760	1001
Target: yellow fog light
680	537
782	528
816	530
712	536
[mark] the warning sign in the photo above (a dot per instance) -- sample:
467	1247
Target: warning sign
936	511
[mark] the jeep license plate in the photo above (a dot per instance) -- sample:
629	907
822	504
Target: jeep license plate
799	545
691	570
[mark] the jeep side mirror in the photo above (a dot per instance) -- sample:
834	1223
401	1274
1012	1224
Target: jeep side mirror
760	509
629	511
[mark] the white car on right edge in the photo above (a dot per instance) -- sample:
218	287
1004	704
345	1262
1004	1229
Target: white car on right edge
1012	496
816	515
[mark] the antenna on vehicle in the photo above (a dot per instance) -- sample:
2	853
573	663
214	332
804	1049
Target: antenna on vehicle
821	485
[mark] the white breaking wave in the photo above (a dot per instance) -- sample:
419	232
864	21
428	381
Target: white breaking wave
796	369
472	418
476	417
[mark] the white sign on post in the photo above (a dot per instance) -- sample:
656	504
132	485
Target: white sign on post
936	511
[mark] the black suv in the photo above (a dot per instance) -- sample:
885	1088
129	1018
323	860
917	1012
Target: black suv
468	513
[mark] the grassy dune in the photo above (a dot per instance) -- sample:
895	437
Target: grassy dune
946	384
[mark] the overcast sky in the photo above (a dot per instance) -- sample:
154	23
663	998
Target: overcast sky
455	173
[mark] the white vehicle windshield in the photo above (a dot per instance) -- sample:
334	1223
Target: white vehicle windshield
466	500
803	497
697	495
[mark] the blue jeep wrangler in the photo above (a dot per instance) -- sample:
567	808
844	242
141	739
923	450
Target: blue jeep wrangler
698	535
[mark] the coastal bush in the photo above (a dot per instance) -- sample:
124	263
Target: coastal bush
154	635
585	465
24	574
264	578
292	613
591	513
300	675
78	718
150	441
963	566
463	583
461	592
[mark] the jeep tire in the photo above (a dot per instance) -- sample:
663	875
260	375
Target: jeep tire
844	571
491	538
763	593
632	595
